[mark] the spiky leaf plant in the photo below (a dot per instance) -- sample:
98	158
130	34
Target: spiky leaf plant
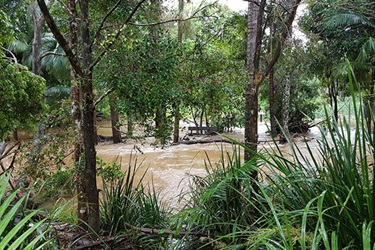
17	230
128	205
341	168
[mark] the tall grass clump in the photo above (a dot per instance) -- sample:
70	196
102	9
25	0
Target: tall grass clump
127	205
17	228
340	172
222	202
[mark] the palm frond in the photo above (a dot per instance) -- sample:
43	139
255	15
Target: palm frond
346	19
58	90
367	51
18	46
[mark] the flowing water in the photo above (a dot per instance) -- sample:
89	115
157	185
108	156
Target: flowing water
169	168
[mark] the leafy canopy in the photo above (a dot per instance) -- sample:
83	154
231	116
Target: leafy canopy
21	92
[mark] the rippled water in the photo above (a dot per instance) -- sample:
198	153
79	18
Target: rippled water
170	167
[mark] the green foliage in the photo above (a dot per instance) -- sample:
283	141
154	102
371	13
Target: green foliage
6	33
127	203
58	184
109	172
21	94
43	160
25	234
223	202
314	198
340	172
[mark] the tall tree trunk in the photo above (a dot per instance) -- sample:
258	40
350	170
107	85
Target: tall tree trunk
251	90
161	123
76	103
116	133
37	40
130	125
38	21
285	108
271	98
176	123
88	201
89	194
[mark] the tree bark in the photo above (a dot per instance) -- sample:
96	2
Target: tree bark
285	109
161	123
90	197
251	90
176	124
116	133
130	126
271	98
37	40
255	36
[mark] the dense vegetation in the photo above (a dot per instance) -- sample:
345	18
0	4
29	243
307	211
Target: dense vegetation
150	65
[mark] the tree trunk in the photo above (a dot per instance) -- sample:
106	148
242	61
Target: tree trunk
271	98
116	133
130	126
176	124
15	135
38	21
161	123
251	90
285	109
88	201
37	40
90	207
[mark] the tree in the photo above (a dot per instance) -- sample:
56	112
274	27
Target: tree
256	16
94	42
21	92
347	29
83	65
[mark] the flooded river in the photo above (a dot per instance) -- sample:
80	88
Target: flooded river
169	168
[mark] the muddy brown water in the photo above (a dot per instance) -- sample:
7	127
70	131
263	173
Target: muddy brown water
170	168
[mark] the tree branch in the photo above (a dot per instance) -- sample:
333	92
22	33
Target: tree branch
14	58
284	34
52	54
103	21
97	60
59	37
176	19
102	96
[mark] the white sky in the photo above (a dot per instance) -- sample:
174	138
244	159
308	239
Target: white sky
236	5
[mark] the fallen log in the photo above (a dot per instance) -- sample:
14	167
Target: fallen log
213	140
150	231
